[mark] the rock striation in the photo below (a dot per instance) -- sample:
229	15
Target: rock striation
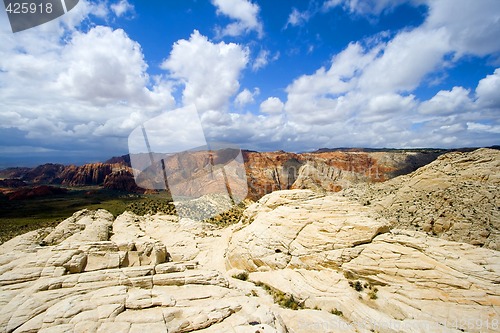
94	273
338	259
266	171
456	197
122	180
330	254
327	170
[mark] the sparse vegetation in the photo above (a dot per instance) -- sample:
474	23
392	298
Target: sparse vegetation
243	276
336	312
356	285
229	217
280	298
20	216
359	287
373	294
151	205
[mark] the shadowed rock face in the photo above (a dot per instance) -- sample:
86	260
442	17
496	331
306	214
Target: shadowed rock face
327	171
122	180
456	197
32	192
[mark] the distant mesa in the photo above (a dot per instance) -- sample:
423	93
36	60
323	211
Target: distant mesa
33	192
325	170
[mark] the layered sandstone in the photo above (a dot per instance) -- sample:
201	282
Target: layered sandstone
265	171
334	257
456	197
340	259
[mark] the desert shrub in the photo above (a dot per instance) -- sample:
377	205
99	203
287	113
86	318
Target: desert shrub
336	312
243	276
282	299
373	294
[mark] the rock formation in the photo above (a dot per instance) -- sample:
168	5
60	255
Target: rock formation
456	197
326	255
298	261
122	180
330	254
32	192
88	174
266	172
96	274
329	171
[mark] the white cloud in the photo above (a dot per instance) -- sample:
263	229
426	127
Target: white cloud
297	17
406	60
245	97
367	7
261	60
122	7
103	66
317	93
473	26
246	16
70	89
90	89
208	71
446	102
488	91
364	96
272	105
478	127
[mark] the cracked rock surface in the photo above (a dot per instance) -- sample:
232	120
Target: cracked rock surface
338	261
456	197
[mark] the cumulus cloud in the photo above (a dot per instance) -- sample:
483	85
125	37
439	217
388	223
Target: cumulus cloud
90	89
208	71
71	91
472	26
272	105
406	60
366	91
246	97
246	16
103	65
488	89
447	102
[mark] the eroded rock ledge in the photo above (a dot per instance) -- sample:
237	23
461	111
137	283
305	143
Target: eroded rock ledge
349	271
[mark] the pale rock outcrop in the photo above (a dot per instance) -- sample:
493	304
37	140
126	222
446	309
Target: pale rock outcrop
397	281
88	282
301	228
83	226
328	255
456	197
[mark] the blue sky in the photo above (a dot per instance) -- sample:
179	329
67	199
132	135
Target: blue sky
265	75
